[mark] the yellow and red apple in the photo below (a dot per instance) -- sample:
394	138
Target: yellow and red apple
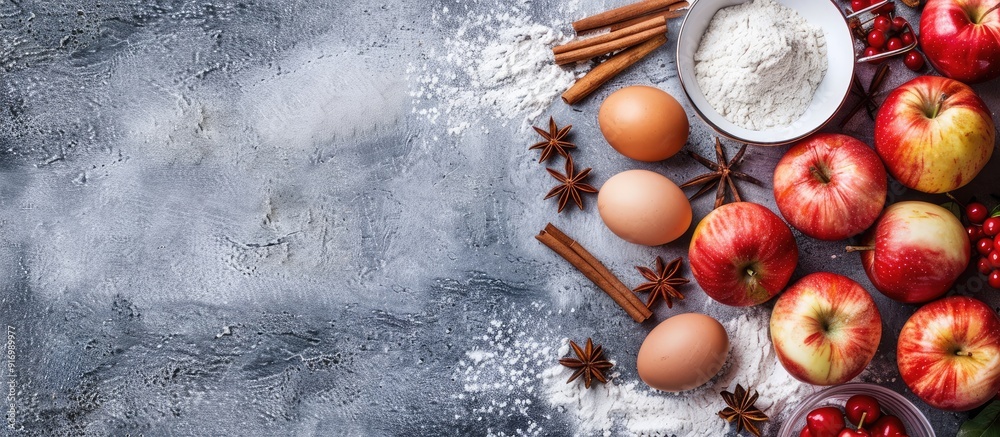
825	329
742	254
915	251
830	186
949	353
934	134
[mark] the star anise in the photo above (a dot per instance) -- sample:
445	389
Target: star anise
722	175
662	282
570	185
741	409
867	96
553	141
590	363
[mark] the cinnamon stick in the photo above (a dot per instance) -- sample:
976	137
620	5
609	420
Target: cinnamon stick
608	47
634	28
675	10
610	68
594	270
623	13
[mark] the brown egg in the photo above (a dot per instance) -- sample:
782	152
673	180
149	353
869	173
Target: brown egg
683	352
643	123
644	207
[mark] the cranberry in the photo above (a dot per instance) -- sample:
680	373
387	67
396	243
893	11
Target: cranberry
893	44
994	259
885	9
977	212
883	23
975	233
898	23
984	246
862	407
907	38
872	51
876	38
994	279
888	426
857	5
996	244
983	265
914	61
825	421
991	226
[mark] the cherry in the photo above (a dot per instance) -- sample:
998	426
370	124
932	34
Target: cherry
872	51
907	38
898	23
983	265
862	407
914	61
994	259
996	244
984	246
885	9
876	38
994	279
888	426
975	233
805	432
847	432
977	212
893	44
882	23
825	421
857	5
991	226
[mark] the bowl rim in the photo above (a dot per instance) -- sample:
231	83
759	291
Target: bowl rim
727	135
827	392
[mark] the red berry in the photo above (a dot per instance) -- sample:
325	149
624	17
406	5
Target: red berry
825	421
977	212
914	61
859	406
984	246
885	9
876	38
882	23
994	259
996	244
983	265
872	51
907	38
847	432
888	426
991	226
893	44
975	233
805	432
898	23
857	5
994	279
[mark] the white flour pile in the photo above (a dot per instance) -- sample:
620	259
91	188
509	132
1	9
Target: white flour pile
759	64
504	376
499	65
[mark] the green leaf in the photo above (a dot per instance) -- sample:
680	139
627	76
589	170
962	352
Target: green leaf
985	424
954	208
995	212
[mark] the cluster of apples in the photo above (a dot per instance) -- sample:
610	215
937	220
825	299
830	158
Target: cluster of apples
934	135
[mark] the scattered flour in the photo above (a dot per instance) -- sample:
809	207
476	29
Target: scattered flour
516	368
499	65
759	64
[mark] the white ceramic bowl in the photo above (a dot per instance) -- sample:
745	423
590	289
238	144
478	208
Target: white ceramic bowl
830	94
890	401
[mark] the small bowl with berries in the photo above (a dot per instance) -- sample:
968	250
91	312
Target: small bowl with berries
856	410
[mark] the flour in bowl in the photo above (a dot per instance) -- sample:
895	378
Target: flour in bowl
759	64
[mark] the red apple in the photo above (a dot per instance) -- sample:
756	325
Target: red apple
825	329
742	254
915	251
961	38
830	186
949	353
934	134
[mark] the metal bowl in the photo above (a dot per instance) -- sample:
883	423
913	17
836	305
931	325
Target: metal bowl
829	96
890	401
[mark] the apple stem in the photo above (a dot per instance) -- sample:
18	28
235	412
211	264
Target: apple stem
937	108
989	10
860	248
819	174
